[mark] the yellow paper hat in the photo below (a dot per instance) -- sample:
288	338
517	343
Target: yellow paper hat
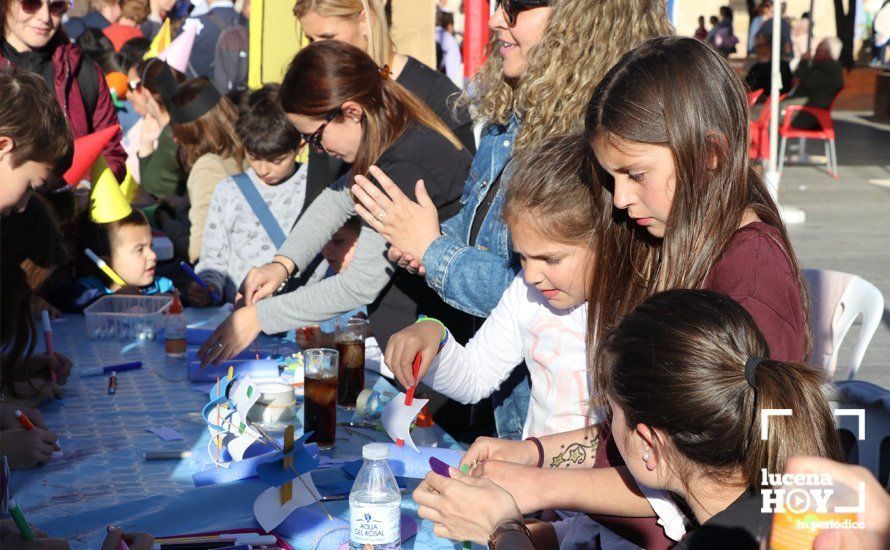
128	187
160	41
108	201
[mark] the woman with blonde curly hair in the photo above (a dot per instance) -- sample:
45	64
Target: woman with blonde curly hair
544	59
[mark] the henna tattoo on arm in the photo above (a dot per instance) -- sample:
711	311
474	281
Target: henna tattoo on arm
575	454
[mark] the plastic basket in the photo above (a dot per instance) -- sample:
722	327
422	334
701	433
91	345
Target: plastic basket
127	317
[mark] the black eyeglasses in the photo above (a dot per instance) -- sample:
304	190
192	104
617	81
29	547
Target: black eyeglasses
57	8
314	139
513	7
134	85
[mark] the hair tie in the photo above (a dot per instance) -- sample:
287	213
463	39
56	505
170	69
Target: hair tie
751	370
384	72
751	377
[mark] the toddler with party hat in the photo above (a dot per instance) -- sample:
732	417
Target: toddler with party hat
114	245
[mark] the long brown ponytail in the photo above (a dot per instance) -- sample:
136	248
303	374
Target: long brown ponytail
328	73
678	363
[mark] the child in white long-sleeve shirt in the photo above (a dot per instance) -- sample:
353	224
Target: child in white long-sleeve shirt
541	318
553	213
234	238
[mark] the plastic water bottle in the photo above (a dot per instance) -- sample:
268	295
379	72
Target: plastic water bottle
375	504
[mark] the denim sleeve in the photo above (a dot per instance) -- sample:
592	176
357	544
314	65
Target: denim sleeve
458	224
467	278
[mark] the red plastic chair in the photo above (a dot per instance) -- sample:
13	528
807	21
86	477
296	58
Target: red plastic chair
759	130
825	133
754	96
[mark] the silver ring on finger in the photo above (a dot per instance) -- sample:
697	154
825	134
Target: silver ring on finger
381	216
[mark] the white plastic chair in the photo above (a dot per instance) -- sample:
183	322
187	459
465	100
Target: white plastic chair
875	403
836	300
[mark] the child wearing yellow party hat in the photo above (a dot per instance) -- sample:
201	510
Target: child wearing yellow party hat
114	240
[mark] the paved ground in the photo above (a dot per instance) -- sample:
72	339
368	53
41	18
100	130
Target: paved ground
847	224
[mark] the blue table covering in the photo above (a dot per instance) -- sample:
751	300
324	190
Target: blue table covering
101	477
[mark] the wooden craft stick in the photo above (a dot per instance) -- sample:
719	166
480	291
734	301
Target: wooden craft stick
218	438
287	490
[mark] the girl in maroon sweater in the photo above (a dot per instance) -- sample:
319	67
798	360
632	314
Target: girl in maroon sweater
685	208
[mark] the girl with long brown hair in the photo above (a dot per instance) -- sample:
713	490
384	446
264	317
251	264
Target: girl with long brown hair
551	210
345	105
688	209
687	378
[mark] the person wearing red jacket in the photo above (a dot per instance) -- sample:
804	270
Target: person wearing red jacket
31	37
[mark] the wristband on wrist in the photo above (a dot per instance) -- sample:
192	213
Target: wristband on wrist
507	526
444	339
540	447
287	275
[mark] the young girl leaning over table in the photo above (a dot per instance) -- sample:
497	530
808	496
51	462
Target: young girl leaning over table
551	210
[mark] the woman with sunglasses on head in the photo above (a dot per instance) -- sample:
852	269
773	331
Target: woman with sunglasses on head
151	151
363	24
31	37
344	105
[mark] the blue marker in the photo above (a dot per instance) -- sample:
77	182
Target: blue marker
99	371
188	269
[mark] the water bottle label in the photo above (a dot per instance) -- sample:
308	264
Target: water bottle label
375	523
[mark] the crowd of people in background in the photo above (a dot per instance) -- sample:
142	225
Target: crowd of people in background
798	41
811	77
532	268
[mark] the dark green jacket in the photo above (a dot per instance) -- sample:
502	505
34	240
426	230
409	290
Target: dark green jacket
160	172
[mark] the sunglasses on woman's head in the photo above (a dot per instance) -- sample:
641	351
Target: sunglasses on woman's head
314	139
57	8
513	7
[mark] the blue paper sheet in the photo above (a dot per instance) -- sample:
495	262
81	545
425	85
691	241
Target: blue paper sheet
273	472
257	369
102	478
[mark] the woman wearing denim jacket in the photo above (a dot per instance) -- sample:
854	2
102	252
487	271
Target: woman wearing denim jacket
468	260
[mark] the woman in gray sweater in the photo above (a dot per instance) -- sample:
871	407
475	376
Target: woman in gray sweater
347	107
